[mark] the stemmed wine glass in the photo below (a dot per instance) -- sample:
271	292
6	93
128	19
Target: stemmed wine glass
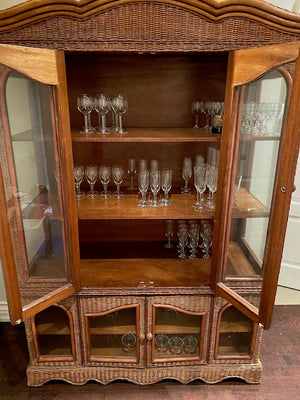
155	186
85	104
118	176
166	184
193	238
120	106
186	174
200	184
206	235
211	181
182	238
169	233
91	174
161	343
78	175
105	175
131	172
196	109
143	186
102	106
128	341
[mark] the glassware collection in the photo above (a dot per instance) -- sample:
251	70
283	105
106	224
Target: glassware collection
190	233
102	104
213	112
176	344
262	119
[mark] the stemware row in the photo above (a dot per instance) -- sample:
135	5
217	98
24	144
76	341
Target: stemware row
209	109
102	104
176	344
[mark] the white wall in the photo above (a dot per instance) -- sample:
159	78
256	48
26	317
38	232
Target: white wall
287	4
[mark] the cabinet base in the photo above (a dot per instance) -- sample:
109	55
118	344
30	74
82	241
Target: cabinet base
251	373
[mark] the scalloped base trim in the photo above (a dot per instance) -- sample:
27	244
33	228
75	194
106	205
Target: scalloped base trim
250	373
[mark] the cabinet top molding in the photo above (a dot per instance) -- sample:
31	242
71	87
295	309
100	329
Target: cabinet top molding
214	10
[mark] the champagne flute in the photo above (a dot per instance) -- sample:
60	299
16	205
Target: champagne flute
131	172
186	174
78	176
105	175
143	186
200	184
155	186
169	233
85	104
166	184
212	180
118	176
102	106
91	174
196	108
120	105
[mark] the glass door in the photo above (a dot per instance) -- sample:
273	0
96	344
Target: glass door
261	167
35	181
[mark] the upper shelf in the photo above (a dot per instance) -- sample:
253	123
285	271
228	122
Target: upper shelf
149	135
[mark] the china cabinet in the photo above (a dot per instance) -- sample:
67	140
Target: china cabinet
101	295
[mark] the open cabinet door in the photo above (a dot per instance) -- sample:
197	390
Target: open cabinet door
38	230
259	151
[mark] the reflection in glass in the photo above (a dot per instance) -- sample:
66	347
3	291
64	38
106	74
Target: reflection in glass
177	334
53	333
235	335
258	151
34	179
113	335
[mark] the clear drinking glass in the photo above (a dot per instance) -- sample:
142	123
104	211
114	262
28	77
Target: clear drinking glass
182	238
143	177
91	174
102	106
206	236
155	186
118	176
169	233
78	176
128	342
131	172
161	343
190	344
85	104
120	106
193	234
200	184
176	345
196	110
237	189
105	175
186	174
211	181
166	184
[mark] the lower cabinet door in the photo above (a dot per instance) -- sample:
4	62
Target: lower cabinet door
177	329
53	335
113	330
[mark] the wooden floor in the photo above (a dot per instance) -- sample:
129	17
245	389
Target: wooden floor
280	381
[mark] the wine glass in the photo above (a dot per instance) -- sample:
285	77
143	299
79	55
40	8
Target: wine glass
166	184
200	184
182	238
128	342
131	172
120	106
85	104
91	174
161	343
155	186
78	176
102	106
105	175
186	174
211	181
169	233
143	177
206	235
118	176
193	234
190	344
237	189
176	345
196	109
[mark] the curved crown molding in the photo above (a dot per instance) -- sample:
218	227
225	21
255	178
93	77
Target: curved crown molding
214	10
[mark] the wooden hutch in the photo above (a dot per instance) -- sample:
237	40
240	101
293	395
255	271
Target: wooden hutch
101	296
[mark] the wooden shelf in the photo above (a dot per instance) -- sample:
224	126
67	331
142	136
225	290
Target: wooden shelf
236	326
238	264
149	135
252	138
247	206
177	329
50	328
127	208
130	272
112	352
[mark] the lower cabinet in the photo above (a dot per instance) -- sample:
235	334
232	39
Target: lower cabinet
142	339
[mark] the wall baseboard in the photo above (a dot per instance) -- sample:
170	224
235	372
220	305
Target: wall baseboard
4	314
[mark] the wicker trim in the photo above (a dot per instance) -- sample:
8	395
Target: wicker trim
147	26
251	373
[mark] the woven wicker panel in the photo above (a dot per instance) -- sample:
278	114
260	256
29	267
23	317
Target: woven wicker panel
208	373
218	305
146	26
71	304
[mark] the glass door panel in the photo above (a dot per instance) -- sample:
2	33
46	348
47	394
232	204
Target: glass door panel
257	153
177	334
53	334
113	336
